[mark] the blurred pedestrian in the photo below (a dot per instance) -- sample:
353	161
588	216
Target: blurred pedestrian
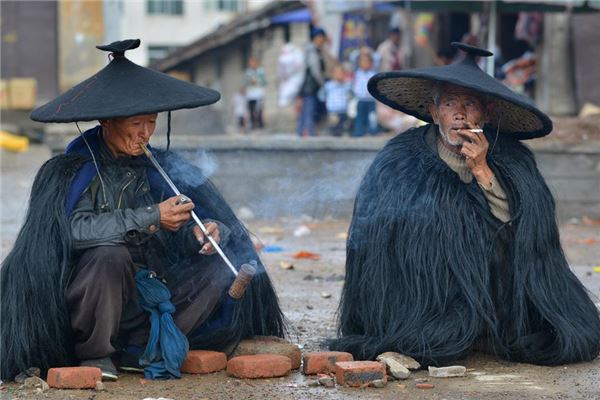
366	120
337	96
314	79
240	109
356	53
290	73
255	82
390	52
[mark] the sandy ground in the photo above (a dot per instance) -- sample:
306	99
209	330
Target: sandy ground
304	293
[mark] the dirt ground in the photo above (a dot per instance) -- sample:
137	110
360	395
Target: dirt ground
309	294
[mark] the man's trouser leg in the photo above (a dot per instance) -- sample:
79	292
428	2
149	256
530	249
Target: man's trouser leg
103	282
197	286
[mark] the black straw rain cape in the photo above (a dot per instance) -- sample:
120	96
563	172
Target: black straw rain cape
34	327
410	91
430	272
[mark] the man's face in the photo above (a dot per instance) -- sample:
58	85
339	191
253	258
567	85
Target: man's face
458	108
319	41
123	136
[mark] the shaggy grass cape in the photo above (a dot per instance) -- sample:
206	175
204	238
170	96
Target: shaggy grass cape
430	270
35	329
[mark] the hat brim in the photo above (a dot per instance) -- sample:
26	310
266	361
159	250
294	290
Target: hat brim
124	89
412	92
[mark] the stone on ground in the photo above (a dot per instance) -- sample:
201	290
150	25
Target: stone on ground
378	383
204	362
33	371
359	373
447	372
323	362
328	381
259	366
394	367
408	362
35	382
270	345
74	377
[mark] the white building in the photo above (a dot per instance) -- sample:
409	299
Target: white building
165	25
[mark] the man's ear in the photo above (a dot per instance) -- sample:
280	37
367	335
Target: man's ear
434	112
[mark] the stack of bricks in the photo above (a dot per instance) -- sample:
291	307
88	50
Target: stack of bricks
323	362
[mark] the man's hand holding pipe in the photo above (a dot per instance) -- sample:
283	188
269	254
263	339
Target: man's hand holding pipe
174	212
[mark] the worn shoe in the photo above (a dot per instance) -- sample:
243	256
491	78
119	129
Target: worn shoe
129	359
109	371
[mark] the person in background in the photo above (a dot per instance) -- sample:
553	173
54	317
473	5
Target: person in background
358	52
255	82
239	106
314	79
337	96
390	52
365	110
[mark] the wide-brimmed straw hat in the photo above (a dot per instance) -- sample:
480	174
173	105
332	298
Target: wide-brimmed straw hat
123	89
411	92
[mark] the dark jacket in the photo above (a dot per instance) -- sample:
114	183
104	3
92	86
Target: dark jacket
314	73
118	208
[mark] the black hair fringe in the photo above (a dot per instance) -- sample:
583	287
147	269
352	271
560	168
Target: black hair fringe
35	327
35	323
430	271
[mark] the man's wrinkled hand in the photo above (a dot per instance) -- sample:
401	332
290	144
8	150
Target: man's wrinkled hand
175	212
475	149
213	231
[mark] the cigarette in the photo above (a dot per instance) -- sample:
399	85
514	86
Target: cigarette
476	130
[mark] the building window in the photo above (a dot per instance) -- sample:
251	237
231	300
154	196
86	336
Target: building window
222	5
169	7
156	53
228	5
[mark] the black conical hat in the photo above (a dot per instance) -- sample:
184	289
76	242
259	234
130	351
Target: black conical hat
410	91
123	89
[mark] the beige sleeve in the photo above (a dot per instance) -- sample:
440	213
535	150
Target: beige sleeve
496	198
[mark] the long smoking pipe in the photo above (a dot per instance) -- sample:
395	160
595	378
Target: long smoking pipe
246	272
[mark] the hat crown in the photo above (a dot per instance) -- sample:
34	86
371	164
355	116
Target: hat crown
472	51
119	48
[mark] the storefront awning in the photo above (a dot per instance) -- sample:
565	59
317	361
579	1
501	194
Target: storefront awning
301	15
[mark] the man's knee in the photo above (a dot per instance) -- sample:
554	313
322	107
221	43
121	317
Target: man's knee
113	261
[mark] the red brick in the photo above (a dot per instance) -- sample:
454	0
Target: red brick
270	345
359	373
424	386
74	377
323	362
204	362
259	366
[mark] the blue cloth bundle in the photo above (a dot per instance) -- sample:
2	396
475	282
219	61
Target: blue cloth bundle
167	346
